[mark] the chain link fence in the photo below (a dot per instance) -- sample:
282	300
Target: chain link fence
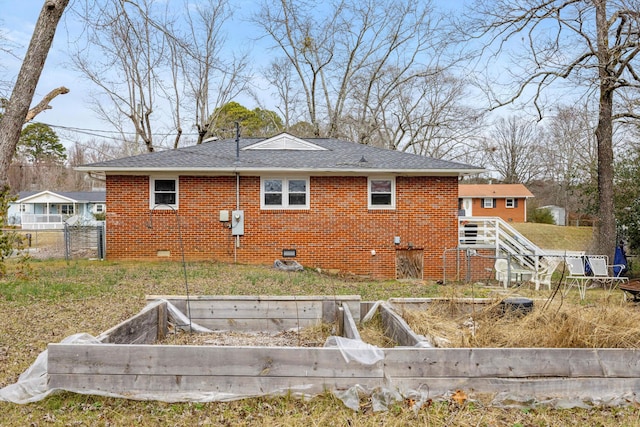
72	242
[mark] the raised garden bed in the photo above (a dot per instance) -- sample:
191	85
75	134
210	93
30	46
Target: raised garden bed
128	364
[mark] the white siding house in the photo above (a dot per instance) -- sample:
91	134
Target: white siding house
51	210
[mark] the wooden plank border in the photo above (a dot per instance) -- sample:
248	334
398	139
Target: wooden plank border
158	369
396	328
262	313
146	327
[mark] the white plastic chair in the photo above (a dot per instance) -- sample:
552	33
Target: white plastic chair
577	276
518	274
501	266
601	271
546	267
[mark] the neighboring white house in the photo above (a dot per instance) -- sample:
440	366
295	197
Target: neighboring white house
51	210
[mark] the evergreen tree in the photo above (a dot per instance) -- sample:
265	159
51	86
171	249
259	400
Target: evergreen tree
39	144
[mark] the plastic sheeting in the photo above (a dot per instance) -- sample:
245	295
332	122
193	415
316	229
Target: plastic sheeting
356	350
181	321
287	265
32	383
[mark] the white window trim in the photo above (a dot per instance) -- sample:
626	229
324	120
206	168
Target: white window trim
285	193
393	192
490	204
152	180
67	207
511	205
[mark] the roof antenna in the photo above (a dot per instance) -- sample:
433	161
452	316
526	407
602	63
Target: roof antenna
237	141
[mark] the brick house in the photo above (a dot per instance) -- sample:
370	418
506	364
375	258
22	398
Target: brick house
322	202
507	201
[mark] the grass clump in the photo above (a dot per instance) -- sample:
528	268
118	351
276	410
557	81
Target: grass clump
555	325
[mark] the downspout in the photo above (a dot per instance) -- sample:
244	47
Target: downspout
237	244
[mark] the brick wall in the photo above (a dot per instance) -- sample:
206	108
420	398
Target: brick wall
517	214
337	232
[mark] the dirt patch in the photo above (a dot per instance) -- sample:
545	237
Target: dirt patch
308	337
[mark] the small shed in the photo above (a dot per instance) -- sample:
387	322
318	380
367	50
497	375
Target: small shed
558	213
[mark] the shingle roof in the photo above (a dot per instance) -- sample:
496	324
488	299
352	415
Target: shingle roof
78	196
338	156
493	190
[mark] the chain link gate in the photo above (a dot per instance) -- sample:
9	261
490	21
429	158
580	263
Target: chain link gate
84	241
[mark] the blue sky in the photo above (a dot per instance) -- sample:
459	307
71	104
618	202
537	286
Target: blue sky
18	20
72	110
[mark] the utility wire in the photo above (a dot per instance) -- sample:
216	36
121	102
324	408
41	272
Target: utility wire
100	132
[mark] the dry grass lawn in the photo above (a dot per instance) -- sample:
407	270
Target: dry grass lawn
556	325
556	237
53	299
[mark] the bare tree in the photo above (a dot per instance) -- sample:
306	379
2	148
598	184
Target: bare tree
512	150
17	107
429	116
570	152
307	40
280	76
124	55
7	47
593	42
342	52
207	74
155	61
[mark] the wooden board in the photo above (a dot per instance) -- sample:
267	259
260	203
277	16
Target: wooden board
512	362
261	313
409	263
250	370
349	327
187	388
396	328
112	359
191	387
145	327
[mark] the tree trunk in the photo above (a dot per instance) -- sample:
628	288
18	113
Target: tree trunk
26	82
606	236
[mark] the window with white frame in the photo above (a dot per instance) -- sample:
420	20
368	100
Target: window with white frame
67	209
284	193
488	203
382	193
99	208
163	193
510	203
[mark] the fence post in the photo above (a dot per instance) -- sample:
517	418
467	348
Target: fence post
67	242
101	241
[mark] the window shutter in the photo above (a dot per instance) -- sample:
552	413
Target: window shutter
515	203
495	203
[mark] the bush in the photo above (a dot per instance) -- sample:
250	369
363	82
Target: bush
542	216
